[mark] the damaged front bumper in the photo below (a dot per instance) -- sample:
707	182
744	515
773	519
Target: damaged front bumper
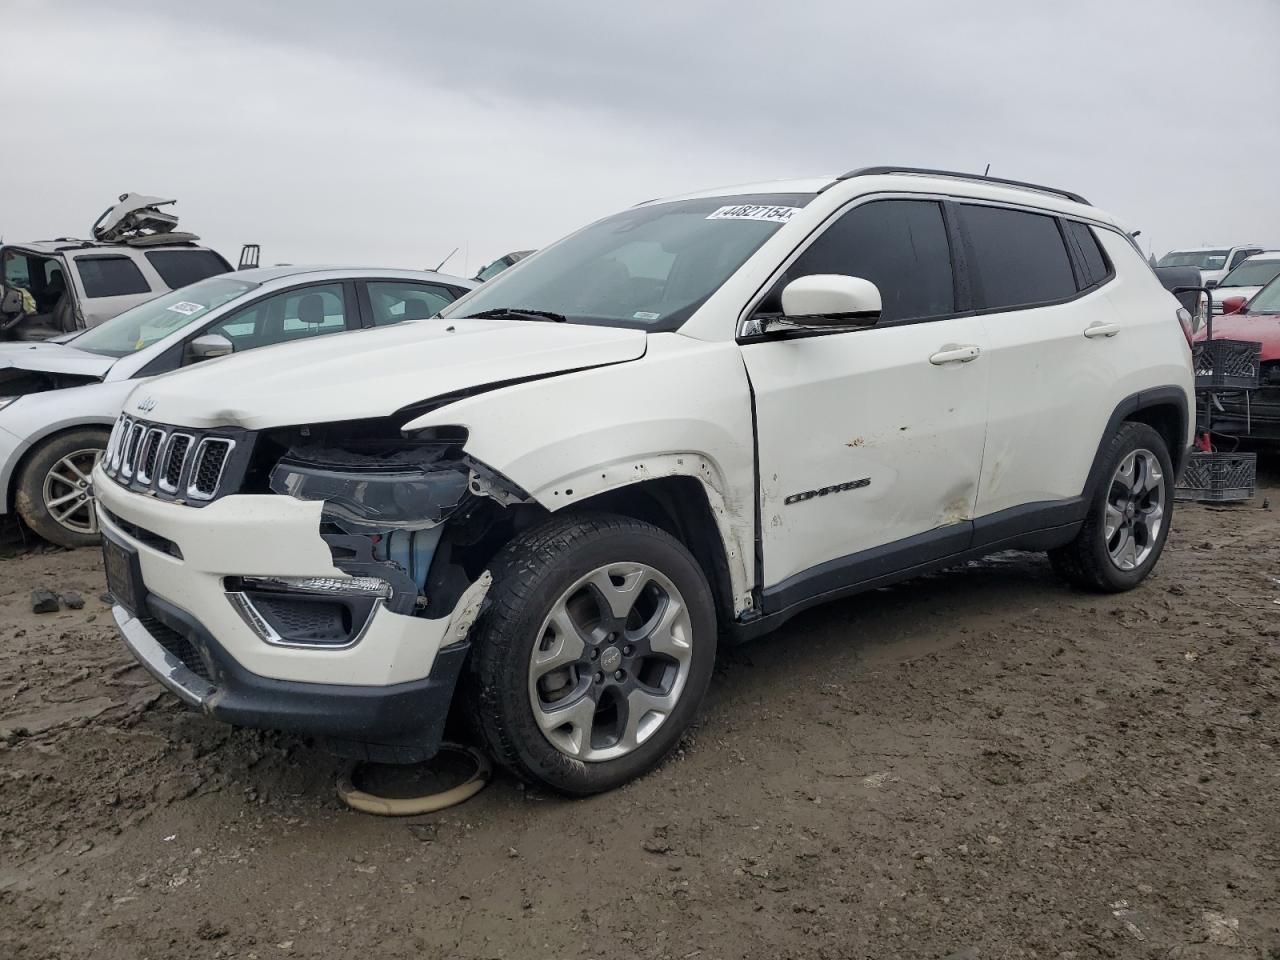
384	694
400	723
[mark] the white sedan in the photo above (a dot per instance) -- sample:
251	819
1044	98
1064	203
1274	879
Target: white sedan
58	400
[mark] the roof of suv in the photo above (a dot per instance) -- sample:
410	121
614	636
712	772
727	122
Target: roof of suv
63	244
908	179
1218	246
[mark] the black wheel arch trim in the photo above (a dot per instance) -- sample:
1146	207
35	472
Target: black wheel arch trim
1135	403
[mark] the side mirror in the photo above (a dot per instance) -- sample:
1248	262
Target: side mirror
1234	304
1210	284
208	347
827	300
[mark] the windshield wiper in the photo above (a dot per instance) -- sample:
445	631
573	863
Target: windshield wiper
518	313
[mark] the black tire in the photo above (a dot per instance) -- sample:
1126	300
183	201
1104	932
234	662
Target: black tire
29	493
1086	561
529	576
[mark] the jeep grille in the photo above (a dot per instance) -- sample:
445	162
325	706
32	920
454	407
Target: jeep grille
171	463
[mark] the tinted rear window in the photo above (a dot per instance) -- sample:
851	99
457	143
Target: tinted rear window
1096	268
177	268
110	277
1020	257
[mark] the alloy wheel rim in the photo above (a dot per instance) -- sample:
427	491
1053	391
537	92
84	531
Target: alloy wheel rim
1135	510
66	491
610	662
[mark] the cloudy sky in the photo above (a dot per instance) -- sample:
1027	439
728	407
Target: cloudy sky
389	132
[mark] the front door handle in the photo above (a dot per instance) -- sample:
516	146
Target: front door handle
952	354
1101	329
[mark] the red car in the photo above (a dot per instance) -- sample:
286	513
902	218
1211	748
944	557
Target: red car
1256	415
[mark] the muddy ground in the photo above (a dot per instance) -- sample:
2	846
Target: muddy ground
982	763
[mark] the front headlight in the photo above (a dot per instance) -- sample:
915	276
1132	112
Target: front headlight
408	492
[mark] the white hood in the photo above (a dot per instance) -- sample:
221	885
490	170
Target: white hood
372	373
53	358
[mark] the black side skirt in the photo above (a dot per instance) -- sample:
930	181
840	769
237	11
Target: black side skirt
1032	526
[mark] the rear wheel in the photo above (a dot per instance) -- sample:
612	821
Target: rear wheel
53	495
593	654
1128	521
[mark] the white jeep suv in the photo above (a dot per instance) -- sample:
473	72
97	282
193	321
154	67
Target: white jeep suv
679	426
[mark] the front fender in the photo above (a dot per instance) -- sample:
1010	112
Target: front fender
682	410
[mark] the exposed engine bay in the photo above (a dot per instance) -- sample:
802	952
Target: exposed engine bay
418	515
19	383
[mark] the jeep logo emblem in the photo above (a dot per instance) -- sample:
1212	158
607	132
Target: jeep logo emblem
147	404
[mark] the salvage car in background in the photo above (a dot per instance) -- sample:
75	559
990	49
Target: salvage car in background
489	271
57	400
50	288
1254	414
1212	262
688	421
1246	280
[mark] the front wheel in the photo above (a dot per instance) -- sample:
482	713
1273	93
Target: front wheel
53	495
594	651
1129	516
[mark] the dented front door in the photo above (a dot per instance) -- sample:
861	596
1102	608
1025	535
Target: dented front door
867	439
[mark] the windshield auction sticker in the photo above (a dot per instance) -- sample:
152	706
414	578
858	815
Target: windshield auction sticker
751	211
186	307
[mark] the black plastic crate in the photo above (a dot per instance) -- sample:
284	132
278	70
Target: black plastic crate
1226	364
1218	477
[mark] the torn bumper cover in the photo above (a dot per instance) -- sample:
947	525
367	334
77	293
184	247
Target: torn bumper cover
384	676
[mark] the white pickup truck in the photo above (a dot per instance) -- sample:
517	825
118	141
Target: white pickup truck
679	426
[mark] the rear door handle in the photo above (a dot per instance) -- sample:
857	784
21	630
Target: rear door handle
1101	329
955	355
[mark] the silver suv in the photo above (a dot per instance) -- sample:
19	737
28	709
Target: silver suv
56	287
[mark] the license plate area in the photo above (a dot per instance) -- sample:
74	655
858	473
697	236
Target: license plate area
124	575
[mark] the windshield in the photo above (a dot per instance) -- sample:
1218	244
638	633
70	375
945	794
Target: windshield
1252	273
1266	300
649	267
1204	259
148	322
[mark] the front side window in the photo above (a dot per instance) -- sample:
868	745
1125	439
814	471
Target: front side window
148	322
1201	259
1252	273
292	315
394	301
1019	258
177	268
649	267
17	273
899	245
110	277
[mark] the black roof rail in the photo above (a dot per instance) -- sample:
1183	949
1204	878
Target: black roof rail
957	175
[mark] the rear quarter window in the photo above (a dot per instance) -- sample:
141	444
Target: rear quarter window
1093	261
1020	257
177	268
110	277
